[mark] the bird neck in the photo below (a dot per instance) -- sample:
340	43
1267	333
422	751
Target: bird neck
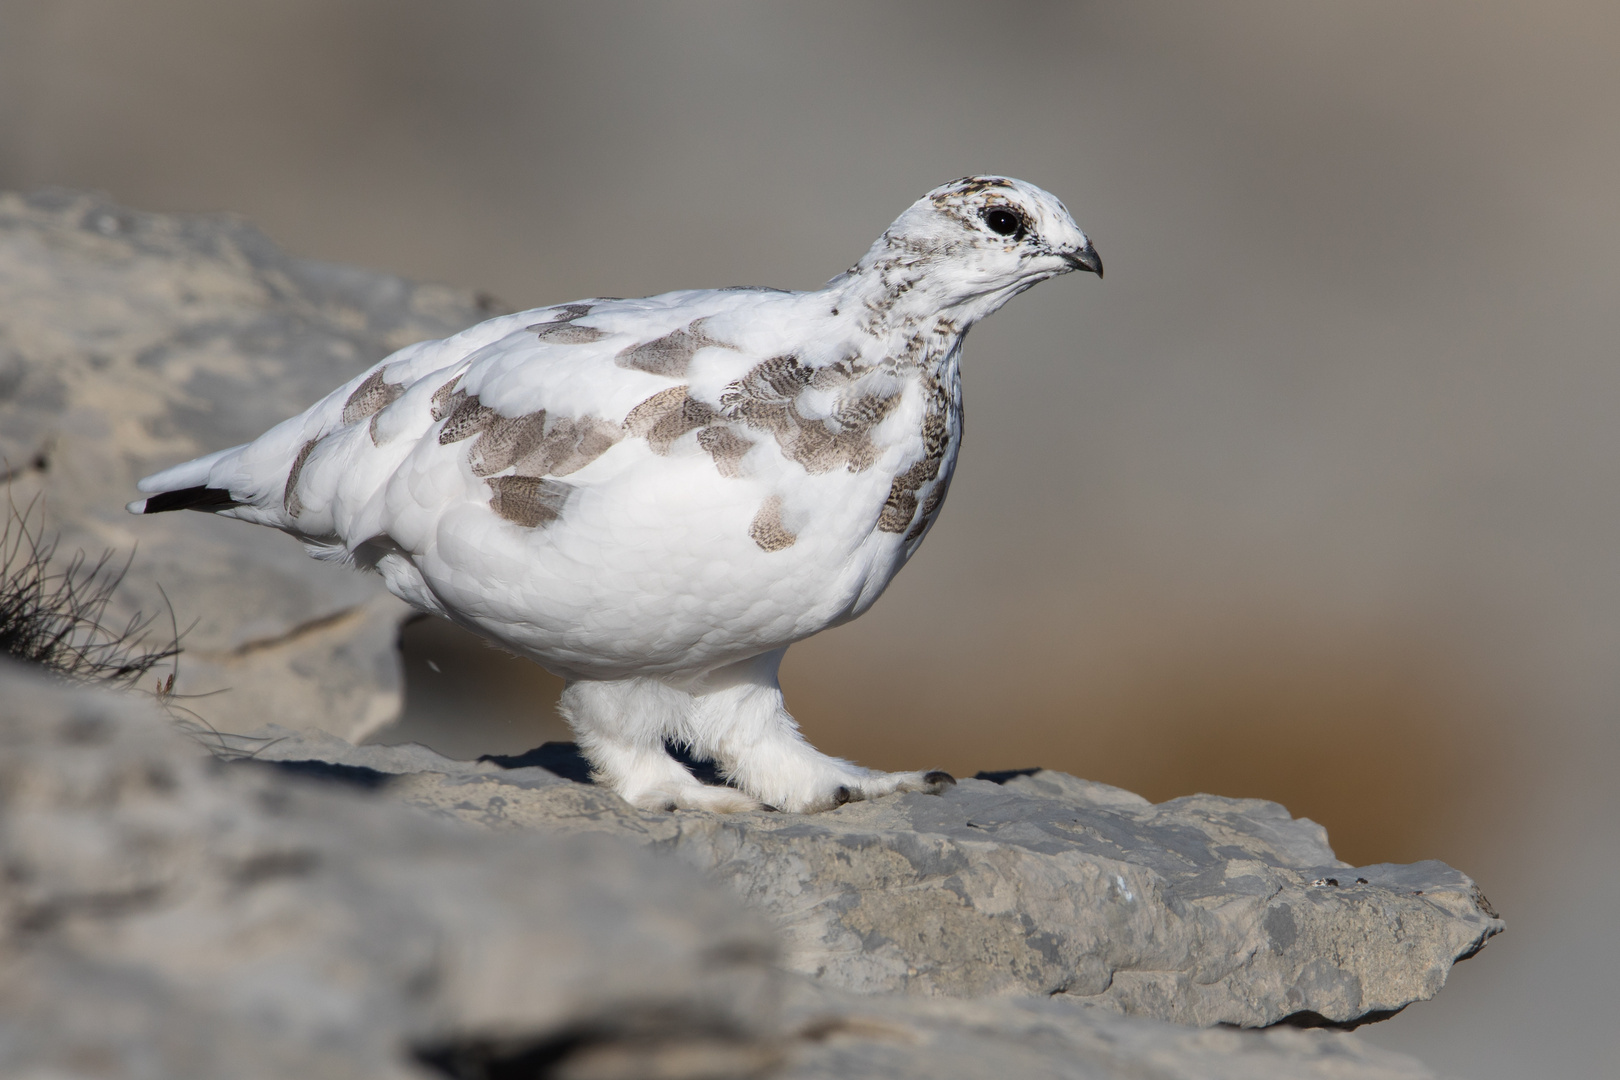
909	313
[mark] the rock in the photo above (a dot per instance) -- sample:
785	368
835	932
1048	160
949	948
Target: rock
240	907
842	1036
131	341
1201	910
164	915
65	1015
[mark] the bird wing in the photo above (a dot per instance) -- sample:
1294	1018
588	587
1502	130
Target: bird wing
518	413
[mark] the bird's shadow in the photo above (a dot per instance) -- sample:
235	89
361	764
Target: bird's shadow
565	760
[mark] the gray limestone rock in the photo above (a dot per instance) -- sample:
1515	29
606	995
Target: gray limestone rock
238	909
847	1037
1201	910
132	341
166	915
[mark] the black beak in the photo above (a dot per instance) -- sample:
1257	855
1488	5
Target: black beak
1084	259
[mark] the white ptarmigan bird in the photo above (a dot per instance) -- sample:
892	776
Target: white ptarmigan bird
654	498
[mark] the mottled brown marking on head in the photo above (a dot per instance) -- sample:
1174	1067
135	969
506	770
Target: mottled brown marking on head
726	447
965	188
289	494
528	500
671	354
466	419
370	397
972	185
441	403
767	529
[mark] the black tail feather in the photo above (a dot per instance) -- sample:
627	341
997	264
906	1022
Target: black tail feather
194	498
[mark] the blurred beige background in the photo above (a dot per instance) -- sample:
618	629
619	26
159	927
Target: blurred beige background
1315	498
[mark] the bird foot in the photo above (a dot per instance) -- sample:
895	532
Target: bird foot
728	800
694	796
872	785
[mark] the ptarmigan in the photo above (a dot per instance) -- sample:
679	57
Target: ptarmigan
654	498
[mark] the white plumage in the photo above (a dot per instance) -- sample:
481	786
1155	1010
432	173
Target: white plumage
654	498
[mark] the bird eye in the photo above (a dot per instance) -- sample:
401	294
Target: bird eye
1004	222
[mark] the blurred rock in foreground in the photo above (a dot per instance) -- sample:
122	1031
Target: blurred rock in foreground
131	341
165	915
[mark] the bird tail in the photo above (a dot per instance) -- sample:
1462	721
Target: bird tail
192	498
186	487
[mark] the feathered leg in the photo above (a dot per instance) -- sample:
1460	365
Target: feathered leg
737	717
621	727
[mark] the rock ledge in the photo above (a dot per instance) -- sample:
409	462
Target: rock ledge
1201	910
165	915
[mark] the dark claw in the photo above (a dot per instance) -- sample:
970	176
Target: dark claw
939	778
841	796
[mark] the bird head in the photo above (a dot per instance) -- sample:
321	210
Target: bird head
975	243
